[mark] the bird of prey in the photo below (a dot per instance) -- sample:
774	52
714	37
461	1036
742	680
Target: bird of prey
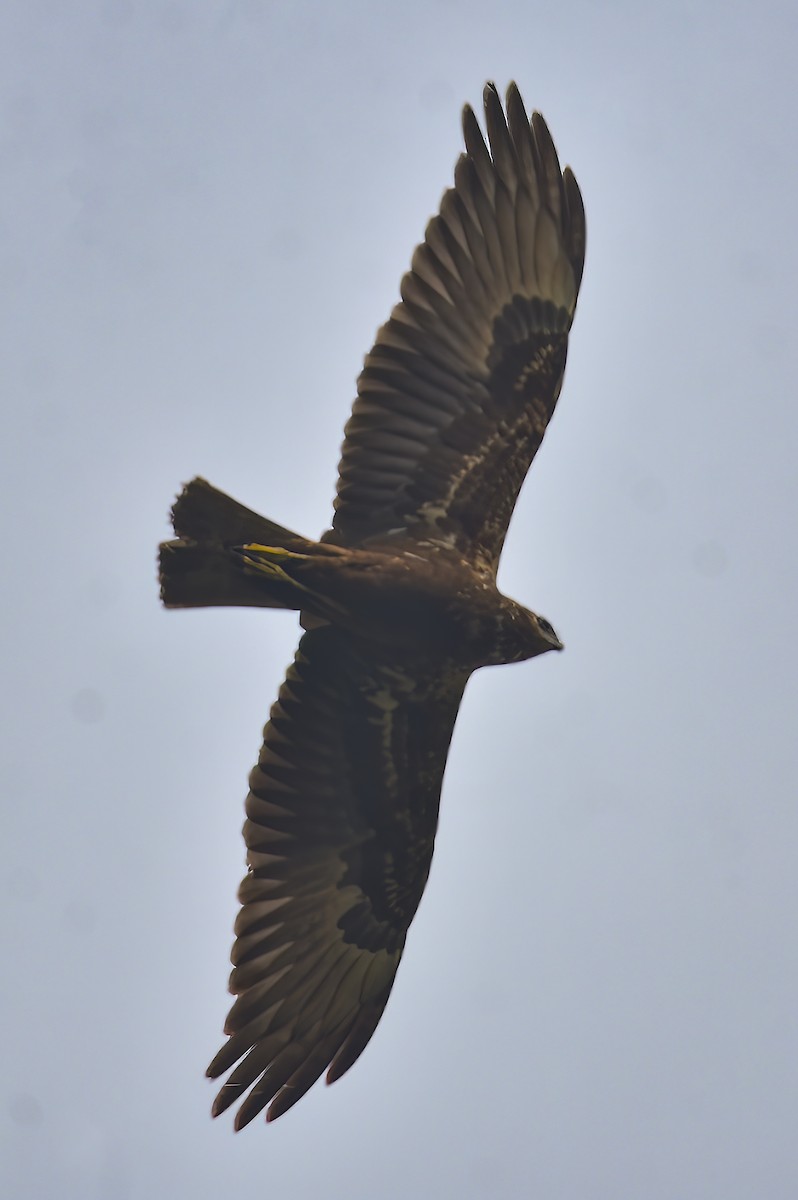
399	605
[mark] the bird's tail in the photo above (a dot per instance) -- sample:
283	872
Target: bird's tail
208	563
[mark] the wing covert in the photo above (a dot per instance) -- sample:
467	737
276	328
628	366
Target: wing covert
341	820
456	394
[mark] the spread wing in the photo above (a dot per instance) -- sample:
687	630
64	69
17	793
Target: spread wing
456	394
341	820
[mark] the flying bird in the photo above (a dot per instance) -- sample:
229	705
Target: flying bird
399	605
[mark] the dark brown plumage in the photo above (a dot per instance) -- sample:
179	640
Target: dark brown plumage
400	606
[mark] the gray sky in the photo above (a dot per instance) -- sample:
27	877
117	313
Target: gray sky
205	213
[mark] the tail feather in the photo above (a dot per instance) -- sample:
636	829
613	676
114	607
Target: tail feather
202	567
203	514
204	577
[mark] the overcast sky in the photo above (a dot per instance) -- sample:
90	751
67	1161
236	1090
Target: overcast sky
205	211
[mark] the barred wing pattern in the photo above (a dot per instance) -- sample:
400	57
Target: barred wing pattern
341	820
456	394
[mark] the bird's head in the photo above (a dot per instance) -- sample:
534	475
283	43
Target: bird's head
524	634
